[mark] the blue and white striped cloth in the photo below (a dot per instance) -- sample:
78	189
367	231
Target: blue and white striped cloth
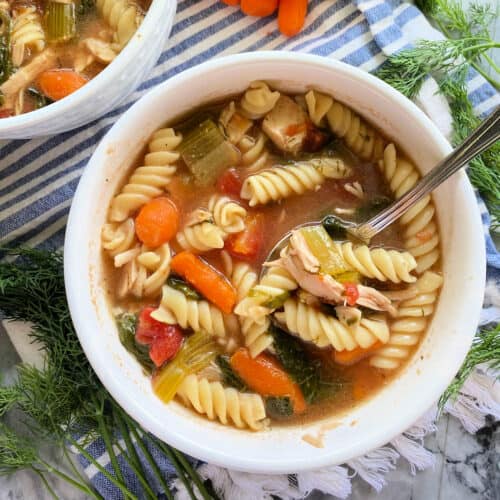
38	177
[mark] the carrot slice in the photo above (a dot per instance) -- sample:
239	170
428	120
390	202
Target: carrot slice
231	2
157	222
265	376
59	83
209	282
258	8
357	354
291	16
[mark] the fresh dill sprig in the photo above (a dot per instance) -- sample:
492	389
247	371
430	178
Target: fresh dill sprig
485	349
65	398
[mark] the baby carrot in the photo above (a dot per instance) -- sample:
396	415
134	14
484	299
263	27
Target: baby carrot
231	2
357	354
265	376
258	8
59	83
291	16
209	282
157	222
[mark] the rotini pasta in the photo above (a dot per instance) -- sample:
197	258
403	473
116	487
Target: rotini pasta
118	239
359	136
149	180
284	181
420	228
27	33
258	100
144	271
318	106
379	263
412	321
228	215
176	308
123	16
225	404
254	152
312	325
233	125
201	237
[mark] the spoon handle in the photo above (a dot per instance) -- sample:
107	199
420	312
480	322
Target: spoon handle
481	139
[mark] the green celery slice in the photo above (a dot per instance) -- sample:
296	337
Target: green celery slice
324	249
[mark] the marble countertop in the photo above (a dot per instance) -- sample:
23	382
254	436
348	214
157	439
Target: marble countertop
467	466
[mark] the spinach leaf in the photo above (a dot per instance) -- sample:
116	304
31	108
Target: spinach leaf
180	285
5	59
126	323
279	407
40	99
335	227
303	370
372	208
229	376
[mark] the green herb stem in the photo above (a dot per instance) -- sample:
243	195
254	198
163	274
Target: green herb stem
42	477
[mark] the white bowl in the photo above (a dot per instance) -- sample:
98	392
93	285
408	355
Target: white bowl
280	450
110	87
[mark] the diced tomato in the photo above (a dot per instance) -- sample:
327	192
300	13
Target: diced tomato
164	340
247	244
230	182
6	113
147	327
165	348
351	293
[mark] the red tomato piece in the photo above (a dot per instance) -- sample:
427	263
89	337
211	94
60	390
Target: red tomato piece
148	328
247	244
163	349
230	182
351	293
6	113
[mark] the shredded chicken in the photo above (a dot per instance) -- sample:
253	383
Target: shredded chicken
369	297
289	127
299	247
27	74
198	216
349	316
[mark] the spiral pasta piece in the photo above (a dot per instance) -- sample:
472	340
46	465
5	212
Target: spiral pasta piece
360	137
420	232
228	215
27	33
284	181
233	125
119	240
318	106
145	273
176	308
379	263
201	237
149	180
123	16
254	152
310	324
411	323
258	100
225	404
252	311
242	276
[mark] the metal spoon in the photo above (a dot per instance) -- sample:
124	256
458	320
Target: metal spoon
481	139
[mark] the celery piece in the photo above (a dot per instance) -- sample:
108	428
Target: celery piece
60	21
269	301
206	153
349	277
324	249
196	353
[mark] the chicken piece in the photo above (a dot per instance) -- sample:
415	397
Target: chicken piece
348	316
101	50
299	247
373	299
27	74
290	128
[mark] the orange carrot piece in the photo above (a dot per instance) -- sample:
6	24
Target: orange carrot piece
259	8
59	83
264	375
291	16
357	354
231	2
209	282
157	222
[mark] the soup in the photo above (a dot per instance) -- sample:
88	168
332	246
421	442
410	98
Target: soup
51	48
248	338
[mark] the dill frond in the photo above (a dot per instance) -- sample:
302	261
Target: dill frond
485	349
16	452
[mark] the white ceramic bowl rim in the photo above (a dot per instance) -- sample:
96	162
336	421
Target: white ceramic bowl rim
104	79
80	301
